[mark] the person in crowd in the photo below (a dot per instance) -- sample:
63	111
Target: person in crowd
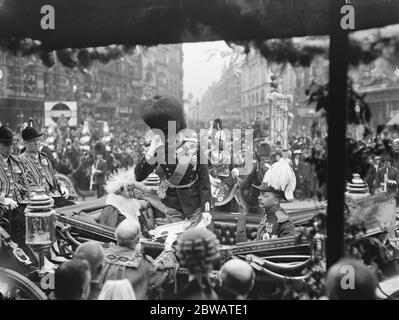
308	176
127	261
94	254
40	171
371	174
250	193
197	250
185	187
237	278
117	290
388	178
99	169
72	280
297	166
362	286
15	188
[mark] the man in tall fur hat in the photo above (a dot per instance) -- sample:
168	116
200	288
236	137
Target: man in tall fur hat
185	186
278	184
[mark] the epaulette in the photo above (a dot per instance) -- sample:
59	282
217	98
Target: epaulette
281	216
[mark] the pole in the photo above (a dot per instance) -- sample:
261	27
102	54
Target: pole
337	120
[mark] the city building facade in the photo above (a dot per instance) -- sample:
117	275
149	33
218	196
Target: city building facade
106	91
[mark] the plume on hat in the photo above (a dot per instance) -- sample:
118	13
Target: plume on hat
123	177
280	176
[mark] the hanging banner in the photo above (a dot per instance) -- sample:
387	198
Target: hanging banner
53	111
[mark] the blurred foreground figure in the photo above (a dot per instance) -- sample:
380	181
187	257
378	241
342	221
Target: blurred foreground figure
197	250
236	280
94	254
117	290
127	261
72	280
351	279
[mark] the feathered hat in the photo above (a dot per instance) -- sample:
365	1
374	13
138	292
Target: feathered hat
279	179
119	180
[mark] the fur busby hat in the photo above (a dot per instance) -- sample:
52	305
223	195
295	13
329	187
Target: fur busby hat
157	111
99	148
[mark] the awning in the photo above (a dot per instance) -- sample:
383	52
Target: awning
90	23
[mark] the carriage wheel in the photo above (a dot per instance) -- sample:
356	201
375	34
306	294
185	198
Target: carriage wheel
15	286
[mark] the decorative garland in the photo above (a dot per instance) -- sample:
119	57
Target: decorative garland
303	52
70	58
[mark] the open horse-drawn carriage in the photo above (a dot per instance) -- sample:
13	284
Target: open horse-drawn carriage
275	261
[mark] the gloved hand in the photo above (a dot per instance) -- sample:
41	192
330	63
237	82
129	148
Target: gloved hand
10	203
156	142
65	192
170	240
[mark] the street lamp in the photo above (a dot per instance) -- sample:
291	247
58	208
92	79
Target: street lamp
40	224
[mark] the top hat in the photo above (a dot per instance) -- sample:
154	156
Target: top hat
99	148
30	133
265	188
6	135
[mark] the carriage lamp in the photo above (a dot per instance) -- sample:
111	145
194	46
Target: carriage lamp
40	224
356	190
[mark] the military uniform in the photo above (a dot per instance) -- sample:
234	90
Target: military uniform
41	174
275	224
184	192
143	272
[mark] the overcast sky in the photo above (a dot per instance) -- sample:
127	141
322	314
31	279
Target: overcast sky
198	73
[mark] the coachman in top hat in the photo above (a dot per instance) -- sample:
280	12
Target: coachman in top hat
15	188
185	186
40	172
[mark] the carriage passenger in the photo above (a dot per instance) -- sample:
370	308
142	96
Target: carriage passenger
278	184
